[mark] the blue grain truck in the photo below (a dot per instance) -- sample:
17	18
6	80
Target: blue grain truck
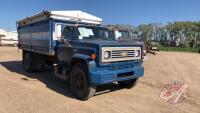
82	52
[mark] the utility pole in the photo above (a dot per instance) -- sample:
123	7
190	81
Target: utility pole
9	27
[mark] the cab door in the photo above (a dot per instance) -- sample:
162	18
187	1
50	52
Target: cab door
65	49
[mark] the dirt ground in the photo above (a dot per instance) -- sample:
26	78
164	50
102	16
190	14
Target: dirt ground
21	92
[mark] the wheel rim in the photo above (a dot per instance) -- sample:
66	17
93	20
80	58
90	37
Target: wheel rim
79	83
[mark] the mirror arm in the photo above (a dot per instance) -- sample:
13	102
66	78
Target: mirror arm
66	43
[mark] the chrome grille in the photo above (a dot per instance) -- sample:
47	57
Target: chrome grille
121	53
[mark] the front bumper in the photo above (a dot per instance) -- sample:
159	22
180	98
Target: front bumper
116	72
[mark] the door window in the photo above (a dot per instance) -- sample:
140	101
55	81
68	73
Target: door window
68	32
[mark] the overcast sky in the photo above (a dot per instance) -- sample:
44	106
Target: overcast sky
132	12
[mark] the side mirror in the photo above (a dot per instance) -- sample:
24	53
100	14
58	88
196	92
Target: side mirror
58	31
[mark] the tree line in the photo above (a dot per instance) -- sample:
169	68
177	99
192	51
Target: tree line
177	34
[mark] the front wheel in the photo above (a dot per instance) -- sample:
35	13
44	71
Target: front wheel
79	83
128	83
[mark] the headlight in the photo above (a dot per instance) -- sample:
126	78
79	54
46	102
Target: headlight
137	53
107	54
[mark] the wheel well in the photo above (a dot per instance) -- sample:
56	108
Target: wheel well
38	57
75	61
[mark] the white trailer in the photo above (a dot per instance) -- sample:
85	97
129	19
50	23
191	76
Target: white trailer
8	38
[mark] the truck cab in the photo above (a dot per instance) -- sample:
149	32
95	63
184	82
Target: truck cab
85	55
124	35
121	34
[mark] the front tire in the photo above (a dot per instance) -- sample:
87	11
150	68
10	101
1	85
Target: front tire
128	83
79	83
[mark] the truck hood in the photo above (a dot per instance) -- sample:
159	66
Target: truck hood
116	43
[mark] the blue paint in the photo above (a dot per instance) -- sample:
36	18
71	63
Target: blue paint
38	38
108	74
35	37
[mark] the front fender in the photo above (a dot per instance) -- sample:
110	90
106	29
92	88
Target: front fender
81	56
91	64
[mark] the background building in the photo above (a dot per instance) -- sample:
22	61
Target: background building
8	38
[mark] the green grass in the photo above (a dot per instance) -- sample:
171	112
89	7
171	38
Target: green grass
181	49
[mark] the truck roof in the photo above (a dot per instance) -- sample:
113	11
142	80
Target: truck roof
74	15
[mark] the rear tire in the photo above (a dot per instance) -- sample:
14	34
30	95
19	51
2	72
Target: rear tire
29	62
79	82
128	83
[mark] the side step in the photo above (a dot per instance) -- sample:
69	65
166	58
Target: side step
60	71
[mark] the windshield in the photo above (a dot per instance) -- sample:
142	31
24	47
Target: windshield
94	33
122	35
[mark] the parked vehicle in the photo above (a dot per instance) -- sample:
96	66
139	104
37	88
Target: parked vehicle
82	52
121	34
151	48
124	35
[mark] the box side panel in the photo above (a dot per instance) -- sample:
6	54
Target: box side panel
40	37
36	37
24	37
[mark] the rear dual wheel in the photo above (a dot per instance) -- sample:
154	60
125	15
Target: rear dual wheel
29	62
33	62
